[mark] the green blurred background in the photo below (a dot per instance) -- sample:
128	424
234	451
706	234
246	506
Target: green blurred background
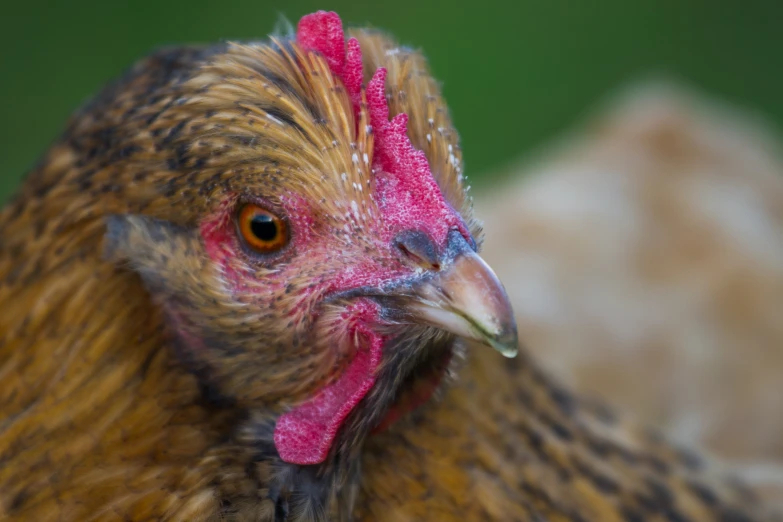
514	73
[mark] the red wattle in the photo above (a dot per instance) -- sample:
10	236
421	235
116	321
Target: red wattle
305	434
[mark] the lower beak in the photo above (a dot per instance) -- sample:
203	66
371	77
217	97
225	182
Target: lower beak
466	298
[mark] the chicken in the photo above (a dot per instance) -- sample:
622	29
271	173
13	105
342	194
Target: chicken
236	290
644	261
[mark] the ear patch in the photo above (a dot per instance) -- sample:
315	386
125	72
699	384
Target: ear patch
164	254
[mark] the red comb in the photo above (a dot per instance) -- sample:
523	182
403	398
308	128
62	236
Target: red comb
403	166
409	192
323	32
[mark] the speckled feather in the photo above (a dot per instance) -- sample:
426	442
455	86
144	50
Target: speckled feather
107	416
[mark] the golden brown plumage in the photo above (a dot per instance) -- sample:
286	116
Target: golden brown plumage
145	358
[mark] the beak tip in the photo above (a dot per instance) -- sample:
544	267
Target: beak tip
507	344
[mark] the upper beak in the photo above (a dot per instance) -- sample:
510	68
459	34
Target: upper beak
464	296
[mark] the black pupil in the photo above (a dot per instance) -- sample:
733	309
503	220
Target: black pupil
264	227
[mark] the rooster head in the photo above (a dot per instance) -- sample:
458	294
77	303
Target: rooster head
303	224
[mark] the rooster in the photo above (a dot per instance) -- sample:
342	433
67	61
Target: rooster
244	286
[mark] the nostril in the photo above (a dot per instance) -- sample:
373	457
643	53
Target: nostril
407	253
418	247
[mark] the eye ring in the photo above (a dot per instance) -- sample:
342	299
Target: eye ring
261	230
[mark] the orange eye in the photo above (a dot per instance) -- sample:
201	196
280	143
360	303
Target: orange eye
262	231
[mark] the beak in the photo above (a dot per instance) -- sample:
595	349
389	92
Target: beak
464	297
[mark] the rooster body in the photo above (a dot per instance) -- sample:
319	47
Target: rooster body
654	234
155	367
